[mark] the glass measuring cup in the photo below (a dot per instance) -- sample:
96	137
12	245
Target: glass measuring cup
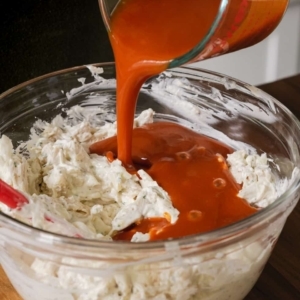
237	24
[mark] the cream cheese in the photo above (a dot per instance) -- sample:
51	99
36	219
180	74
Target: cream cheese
75	193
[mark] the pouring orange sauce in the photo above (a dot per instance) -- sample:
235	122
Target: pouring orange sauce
145	50
189	166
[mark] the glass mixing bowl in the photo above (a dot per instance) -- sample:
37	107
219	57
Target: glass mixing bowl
222	264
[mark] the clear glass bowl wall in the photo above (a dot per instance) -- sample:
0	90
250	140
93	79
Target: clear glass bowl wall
223	264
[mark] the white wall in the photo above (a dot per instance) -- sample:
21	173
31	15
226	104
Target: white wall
276	57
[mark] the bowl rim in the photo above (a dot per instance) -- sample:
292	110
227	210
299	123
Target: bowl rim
231	231
51	74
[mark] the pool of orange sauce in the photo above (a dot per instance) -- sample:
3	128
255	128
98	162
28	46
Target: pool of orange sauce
192	169
189	166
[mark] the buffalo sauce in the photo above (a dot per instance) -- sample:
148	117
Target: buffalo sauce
189	166
192	169
144	44
146	35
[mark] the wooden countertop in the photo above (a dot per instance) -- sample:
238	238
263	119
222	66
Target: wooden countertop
280	279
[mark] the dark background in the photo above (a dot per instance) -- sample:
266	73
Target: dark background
42	36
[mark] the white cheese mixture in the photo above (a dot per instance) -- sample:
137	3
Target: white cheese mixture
75	193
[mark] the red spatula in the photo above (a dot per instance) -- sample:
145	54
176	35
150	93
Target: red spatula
14	199
11	197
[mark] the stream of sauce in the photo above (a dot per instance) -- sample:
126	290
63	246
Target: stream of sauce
189	166
145	50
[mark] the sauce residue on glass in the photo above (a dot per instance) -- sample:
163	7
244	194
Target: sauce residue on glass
189	166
